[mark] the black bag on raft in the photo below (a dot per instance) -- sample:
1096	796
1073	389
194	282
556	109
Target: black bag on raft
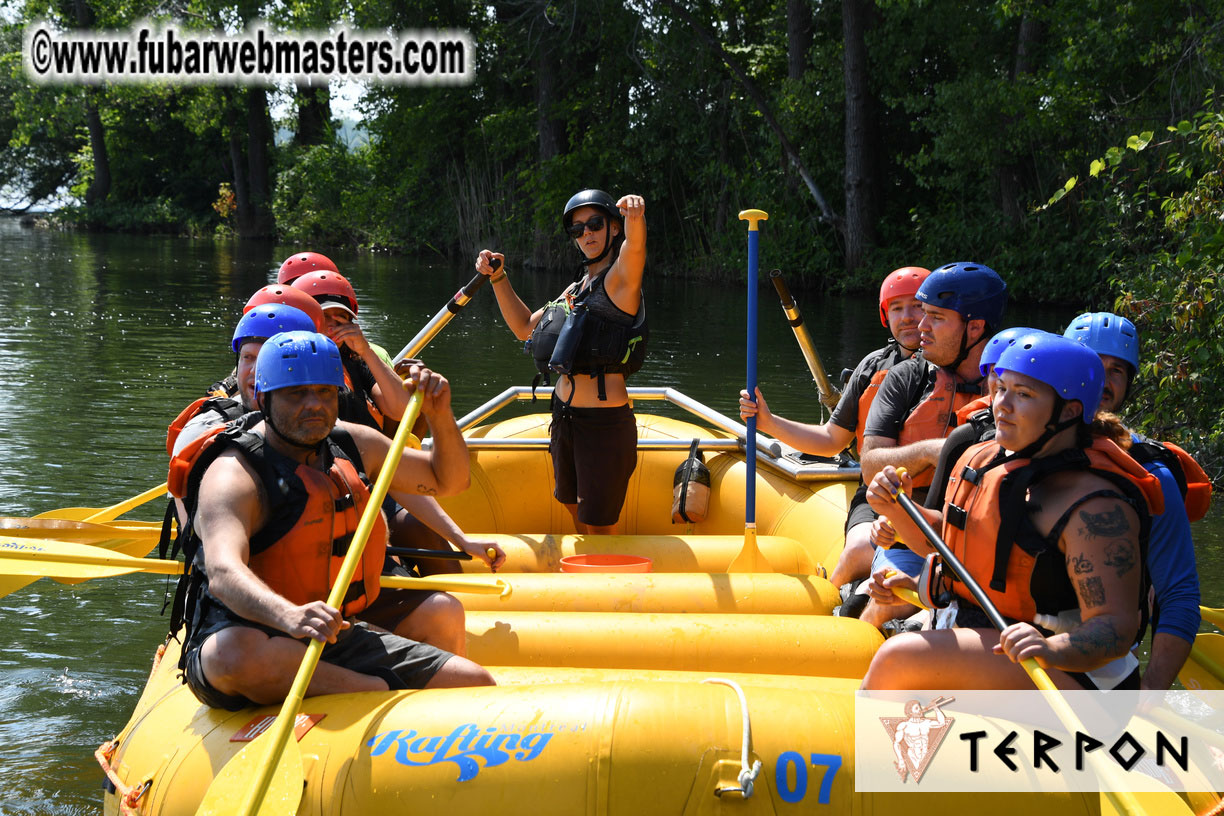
691	489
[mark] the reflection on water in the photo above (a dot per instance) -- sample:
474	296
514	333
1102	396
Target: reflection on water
104	338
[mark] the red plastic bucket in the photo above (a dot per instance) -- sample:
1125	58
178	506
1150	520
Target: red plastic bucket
605	562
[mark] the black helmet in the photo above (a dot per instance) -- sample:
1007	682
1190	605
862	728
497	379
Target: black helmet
589	198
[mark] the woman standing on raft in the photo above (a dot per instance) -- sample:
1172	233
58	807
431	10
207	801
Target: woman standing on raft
1050	518
593	336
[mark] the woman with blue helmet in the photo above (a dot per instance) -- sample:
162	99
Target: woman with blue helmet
1050	518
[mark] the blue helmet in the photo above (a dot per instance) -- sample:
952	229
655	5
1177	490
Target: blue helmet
995	345
1107	333
297	358
1074	371
972	290
268	319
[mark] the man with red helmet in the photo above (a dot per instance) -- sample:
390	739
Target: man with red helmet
900	313
375	392
301	263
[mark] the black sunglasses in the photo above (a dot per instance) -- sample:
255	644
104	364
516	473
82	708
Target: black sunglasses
595	223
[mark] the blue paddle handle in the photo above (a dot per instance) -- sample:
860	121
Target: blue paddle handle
750	451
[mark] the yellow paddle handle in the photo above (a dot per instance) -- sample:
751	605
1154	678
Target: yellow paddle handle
278	737
753	217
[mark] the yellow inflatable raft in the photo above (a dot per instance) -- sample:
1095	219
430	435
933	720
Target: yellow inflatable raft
602	706
545	743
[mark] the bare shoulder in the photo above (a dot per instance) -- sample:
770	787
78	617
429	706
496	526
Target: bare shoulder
230	484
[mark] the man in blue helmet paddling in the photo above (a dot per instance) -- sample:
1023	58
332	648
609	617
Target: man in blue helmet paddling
274	508
1175	587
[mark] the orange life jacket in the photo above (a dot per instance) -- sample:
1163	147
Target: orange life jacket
353	415
226	407
972	407
302	563
935	416
864	404
311	517
988	527
1192	480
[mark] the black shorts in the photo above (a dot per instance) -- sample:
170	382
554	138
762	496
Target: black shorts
860	511
594	452
393	605
401	663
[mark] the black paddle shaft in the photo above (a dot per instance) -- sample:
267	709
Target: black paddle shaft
409	552
953	563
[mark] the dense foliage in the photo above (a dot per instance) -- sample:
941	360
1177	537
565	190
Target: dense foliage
875	134
1156	204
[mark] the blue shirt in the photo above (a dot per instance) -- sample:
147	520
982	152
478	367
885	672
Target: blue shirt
1170	561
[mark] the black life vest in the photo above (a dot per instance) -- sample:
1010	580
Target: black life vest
612	342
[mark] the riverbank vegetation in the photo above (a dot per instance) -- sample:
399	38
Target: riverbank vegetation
1074	145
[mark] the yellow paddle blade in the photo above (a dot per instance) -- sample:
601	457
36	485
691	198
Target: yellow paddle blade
749	558
228	791
101	514
79	531
1204	669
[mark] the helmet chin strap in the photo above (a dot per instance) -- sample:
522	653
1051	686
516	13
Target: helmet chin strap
1052	429
965	349
271	424
606	249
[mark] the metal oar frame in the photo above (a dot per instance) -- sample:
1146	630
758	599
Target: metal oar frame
771	453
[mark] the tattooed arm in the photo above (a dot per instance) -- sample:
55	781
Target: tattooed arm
1101	543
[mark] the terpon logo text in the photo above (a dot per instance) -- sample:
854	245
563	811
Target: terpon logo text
464	746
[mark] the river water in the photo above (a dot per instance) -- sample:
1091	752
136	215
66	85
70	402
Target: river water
104	338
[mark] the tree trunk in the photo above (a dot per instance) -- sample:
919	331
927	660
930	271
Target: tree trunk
550	136
100	187
762	104
862	207
259	142
1011	174
798	37
313	115
238	165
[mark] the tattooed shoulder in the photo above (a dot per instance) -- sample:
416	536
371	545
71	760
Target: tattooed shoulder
1111	523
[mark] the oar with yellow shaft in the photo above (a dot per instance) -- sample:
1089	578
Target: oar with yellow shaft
36	558
828	394
104	514
749	558
1124	802
246	785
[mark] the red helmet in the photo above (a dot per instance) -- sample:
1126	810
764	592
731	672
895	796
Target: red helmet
903	282
328	286
277	293
299	264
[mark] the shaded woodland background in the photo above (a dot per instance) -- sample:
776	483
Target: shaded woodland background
1076	146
